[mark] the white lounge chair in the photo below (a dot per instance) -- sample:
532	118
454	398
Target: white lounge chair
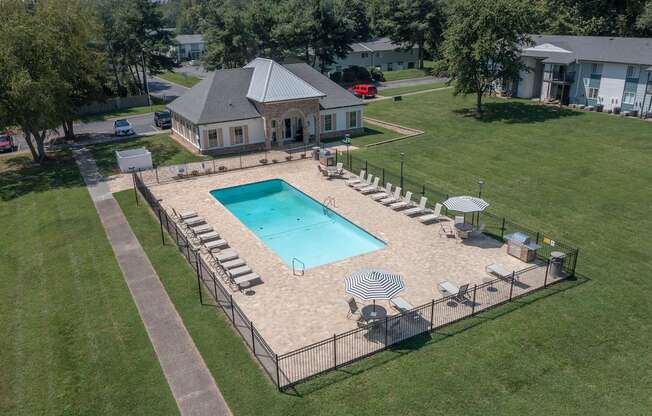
232	264
371	188
239	271
226	255
498	271
365	183
184	215
396	196
215	244
201	229
209	236
355	180
245	280
194	221
435	216
401	304
335	170
421	208
384	194
405	203
449	289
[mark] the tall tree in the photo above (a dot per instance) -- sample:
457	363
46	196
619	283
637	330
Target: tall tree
482	44
414	22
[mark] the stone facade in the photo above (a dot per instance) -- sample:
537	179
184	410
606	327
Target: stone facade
307	110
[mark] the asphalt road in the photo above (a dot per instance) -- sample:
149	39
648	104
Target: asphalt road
165	90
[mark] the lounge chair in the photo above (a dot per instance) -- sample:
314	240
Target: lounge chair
201	229
355	180
244	280
396	196
225	255
215	244
209	236
449	289
421	208
371	188
239	271
401	304
365	183
405	203
335	171
384	194
194	221
498	271
184	215
435	216
353	308
232	264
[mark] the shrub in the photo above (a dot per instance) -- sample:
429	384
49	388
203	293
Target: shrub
348	75
336	76
222	168
377	75
361	73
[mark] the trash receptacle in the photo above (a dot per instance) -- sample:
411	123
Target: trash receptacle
557	263
315	153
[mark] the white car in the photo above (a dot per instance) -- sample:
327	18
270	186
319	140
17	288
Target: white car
123	128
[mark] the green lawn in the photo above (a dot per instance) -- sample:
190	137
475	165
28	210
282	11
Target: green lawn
413	88
125	112
409	73
165	151
72	340
372	134
179	78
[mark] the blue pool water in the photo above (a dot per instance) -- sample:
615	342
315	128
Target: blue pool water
294	225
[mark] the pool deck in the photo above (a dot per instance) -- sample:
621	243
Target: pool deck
293	311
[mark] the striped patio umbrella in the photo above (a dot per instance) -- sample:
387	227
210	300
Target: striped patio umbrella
372	284
466	204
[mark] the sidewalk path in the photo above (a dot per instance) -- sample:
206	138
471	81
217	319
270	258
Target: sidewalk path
192	385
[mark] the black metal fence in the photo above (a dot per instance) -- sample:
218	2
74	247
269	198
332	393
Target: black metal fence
293	367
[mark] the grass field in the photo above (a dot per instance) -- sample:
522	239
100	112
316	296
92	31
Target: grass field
372	134
126	112
72	340
409	73
165	151
185	80
388	92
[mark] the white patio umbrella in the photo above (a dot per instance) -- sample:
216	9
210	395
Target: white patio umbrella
372	284
466	204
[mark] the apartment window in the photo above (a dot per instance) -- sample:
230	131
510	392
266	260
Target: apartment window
238	135
212	138
596	69
389	66
365	54
593	93
352	119
400	63
328	122
629	98
632	72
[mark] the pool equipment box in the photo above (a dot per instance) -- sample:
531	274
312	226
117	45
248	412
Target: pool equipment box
134	160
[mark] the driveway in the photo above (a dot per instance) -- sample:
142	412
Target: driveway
167	91
410	82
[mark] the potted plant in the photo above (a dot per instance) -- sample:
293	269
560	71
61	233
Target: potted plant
263	161
274	161
616	110
288	157
222	168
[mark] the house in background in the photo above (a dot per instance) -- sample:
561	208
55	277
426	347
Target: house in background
381	53
189	47
265	104
615	73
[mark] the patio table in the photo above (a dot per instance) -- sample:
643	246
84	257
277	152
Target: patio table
463	229
368	310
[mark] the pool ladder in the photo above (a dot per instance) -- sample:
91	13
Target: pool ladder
329	202
298	271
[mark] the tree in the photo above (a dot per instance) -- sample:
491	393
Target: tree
414	22
482	44
644	21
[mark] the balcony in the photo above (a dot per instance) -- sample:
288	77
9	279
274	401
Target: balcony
559	76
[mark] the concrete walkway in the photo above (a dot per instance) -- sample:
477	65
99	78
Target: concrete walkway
192	385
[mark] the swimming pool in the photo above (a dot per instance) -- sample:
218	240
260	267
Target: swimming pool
294	225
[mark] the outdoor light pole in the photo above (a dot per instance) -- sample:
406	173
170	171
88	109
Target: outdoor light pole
402	162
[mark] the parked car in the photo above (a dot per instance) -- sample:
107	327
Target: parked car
7	143
123	128
364	90
163	119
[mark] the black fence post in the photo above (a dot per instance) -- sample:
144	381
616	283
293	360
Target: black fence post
475	289
366	167
278	373
511	287
383	176
160	221
537	240
386	330
402	162
215	287
201	299
253	340
156	170
232	311
502	229
577	252
545	279
133	175
335	351
432	314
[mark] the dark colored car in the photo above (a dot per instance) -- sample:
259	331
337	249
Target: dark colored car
7	143
364	90
163	119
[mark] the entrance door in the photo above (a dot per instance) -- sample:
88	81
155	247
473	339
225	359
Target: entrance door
287	128
298	129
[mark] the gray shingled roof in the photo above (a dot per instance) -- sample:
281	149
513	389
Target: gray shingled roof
378	45
219	97
336	96
596	48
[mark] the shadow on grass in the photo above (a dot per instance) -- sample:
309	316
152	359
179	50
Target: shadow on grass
22	176
516	112
417	342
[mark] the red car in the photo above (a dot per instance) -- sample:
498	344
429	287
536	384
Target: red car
7	143
364	90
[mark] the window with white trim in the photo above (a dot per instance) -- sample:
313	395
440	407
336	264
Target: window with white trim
596	69
238	135
629	98
352	119
328	122
212	138
593	93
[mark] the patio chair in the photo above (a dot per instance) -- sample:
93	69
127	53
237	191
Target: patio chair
435	216
459	219
392	199
421	208
353	308
371	188
365	183
384	194
337	171
355	180
498	270
405	203
449	289
478	231
447	229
